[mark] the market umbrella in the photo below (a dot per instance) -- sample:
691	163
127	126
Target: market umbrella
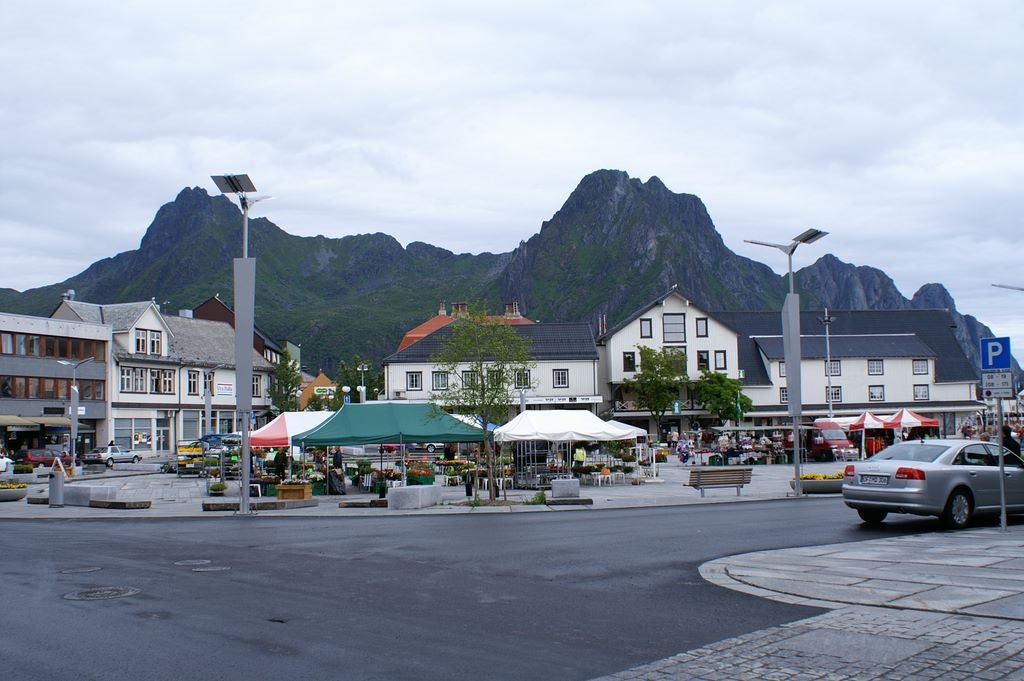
905	418
863	423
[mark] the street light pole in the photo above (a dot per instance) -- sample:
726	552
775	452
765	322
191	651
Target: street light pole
73	407
791	344
362	382
827	321
245	303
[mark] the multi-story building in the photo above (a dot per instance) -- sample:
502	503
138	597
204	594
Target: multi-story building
877	360
40	359
164	368
564	371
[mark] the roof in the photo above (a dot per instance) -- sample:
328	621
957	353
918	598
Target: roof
843	347
932	329
548	342
119	316
198	342
636	314
425	329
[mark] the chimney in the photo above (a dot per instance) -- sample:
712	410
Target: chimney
68	295
442	310
512	310
459	309
186	313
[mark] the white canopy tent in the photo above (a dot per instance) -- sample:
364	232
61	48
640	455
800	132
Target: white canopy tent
563	425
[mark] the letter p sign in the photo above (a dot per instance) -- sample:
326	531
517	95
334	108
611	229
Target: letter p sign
995	354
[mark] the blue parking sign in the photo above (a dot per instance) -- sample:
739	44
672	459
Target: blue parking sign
995	354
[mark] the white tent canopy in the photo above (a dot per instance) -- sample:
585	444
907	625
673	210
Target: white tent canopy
278	433
563	425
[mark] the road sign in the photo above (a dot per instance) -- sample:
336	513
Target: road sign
995	354
997	384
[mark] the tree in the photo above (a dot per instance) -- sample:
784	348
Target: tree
723	396
660	380
350	375
286	383
483	357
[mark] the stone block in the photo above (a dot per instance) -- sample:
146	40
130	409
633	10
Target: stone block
414	496
565	489
81	495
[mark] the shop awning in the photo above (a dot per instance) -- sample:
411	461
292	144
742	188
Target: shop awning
51	420
12	420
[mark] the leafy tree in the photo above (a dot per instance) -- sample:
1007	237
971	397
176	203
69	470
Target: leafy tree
482	357
660	380
286	383
723	396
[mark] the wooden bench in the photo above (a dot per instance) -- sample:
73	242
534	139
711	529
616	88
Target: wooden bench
732	476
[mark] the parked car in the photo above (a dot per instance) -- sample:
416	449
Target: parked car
41	456
111	454
952	479
214	443
429	446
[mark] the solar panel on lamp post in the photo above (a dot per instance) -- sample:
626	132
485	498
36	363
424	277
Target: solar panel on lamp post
791	344
245	302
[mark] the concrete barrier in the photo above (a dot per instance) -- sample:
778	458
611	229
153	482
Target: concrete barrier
414	496
565	488
139	467
81	495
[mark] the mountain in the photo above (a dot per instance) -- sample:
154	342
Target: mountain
615	244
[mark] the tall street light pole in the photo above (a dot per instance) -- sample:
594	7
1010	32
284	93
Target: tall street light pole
827	320
245	303
791	344
362	382
74	400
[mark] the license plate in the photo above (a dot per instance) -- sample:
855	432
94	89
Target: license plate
874	480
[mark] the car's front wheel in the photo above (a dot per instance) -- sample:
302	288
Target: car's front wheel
872	516
957	514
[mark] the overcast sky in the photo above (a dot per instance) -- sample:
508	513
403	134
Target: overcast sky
892	125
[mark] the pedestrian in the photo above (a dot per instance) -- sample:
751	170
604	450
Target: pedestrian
1009	442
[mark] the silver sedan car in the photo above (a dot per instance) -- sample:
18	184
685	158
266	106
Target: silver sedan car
951	479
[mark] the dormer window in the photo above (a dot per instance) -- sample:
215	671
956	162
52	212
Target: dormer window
155	342
141	338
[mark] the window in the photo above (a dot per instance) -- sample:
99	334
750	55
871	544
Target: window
702	327
783	395
629	361
469	379
703	360
720	363
646	328
673	327
257	385
141	337
920	392
920	367
560	378
155	342
782	369
876	393
193	382
7	343
126	380
494	378
209	382
154	381
414	380
833	368
167	381
523	379
834	394
439	380
875	367
139	380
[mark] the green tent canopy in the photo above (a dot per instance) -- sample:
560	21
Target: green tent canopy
379	422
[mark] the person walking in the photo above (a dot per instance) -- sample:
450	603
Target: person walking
1009	442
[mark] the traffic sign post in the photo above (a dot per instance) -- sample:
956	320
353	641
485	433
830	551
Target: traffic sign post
997	383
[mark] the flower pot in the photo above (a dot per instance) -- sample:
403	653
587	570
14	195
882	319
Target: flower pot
13	494
819	486
295	491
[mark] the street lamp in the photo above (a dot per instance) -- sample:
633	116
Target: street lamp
827	321
791	343
245	303
74	400
362	381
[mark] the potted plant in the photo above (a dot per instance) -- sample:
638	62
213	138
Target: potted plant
13	490
820	483
217	489
294	488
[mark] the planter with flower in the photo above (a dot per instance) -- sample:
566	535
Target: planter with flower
13	491
820	483
217	489
319	482
419	473
294	489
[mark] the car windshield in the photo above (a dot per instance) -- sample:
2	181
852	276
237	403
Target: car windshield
833	434
918	451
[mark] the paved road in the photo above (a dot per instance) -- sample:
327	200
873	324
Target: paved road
623	591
